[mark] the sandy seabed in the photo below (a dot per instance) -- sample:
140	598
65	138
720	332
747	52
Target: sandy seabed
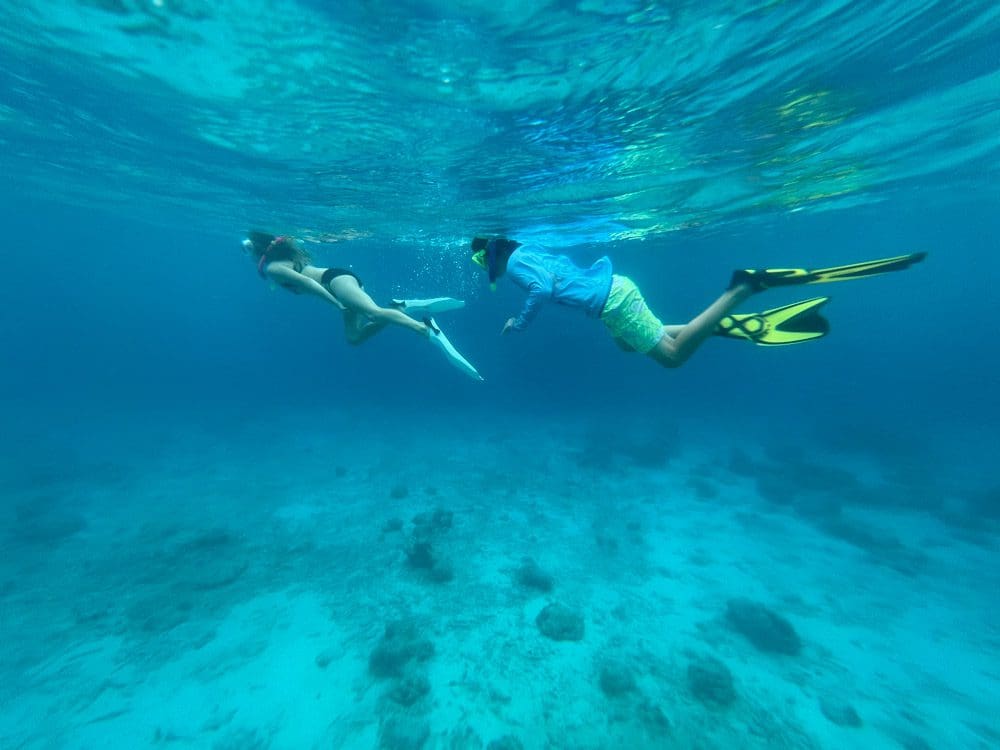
234	582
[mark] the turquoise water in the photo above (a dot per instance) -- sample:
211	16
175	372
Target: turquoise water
223	527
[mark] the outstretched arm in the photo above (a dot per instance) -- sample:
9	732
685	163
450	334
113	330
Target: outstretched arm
537	295
531	276
292	278
536	298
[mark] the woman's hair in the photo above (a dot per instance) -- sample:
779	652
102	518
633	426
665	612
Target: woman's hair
278	248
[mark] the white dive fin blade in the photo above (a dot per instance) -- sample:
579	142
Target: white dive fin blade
441	341
422	308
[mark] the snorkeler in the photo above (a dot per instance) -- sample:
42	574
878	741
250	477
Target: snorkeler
617	301
283	260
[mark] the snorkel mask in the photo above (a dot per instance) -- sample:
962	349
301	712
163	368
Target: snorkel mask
485	256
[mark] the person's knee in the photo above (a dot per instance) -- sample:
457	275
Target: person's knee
668	354
671	361
381	315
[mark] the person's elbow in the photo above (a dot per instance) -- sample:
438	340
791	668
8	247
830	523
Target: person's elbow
282	275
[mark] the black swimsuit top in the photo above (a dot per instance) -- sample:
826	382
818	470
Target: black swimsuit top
328	275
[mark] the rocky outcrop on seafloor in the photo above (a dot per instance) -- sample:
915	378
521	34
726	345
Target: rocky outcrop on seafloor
839	711
560	623
531	576
711	682
764	628
401	644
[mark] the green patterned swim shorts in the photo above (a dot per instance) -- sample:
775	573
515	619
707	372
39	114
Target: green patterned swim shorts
629	318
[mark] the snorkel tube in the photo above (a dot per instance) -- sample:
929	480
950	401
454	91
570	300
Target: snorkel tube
491	263
489	254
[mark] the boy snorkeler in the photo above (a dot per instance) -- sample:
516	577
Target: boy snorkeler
619	304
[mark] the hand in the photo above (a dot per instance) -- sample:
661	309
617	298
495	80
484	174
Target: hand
507	327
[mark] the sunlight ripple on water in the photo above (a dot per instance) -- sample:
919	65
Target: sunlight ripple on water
426	121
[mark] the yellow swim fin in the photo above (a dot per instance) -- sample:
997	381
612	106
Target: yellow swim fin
791	324
771	277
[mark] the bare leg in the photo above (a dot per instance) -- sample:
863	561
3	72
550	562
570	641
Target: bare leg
351	295
678	343
359	328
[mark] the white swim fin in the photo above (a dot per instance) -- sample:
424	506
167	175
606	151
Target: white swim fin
422	308
441	341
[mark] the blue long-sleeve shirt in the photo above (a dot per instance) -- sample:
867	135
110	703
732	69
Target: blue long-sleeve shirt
547	277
